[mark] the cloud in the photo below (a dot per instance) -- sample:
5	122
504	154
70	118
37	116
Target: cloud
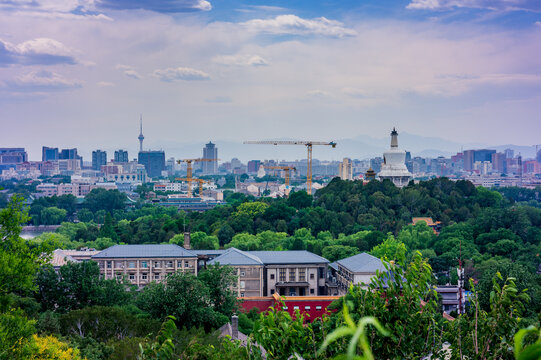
241	60
40	81
105	84
219	100
294	25
161	6
496	5
355	93
180	73
40	51
319	94
129	71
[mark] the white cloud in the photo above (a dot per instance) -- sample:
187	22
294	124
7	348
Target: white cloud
180	73
499	5
105	84
129	71
355	93
241	60
42	51
38	81
294	25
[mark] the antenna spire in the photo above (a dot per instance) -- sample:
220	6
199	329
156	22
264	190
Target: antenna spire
141	137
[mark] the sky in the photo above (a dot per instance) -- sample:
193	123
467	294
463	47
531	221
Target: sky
79	73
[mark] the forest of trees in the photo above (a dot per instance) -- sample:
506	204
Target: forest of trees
74	312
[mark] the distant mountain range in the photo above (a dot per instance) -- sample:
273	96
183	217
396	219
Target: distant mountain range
359	147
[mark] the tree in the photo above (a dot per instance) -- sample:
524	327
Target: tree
107	200
299	200
50	348
338	252
85	215
390	249
219	280
225	234
107	230
245	242
52	216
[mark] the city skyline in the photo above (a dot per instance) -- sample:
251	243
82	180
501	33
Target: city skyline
79	73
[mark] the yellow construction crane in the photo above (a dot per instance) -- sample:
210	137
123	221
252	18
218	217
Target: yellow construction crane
189	177
308	145
190	180
286	170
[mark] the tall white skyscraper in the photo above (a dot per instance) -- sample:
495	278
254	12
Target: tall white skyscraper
210	151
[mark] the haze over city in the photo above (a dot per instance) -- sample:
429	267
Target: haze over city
79	73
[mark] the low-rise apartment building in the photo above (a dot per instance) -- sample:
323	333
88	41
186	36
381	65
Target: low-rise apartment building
357	270
141	264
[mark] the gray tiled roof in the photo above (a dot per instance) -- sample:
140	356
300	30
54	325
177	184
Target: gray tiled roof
208	252
289	257
144	251
236	257
362	263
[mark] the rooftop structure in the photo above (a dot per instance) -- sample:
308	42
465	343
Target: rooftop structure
357	269
141	137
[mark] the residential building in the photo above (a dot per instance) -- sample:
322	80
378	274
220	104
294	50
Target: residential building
357	269
121	156
141	264
169	186
345	169
248	268
154	162
450	297
210	151
253	166
49	154
99	158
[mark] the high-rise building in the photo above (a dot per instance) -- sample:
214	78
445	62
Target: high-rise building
210	151
253	166
99	158
68	154
468	160
483	155
538	156
154	162
509	153
121	156
345	169
10	157
49	154
498	163
394	164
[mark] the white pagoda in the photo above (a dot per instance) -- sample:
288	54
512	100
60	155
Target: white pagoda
394	164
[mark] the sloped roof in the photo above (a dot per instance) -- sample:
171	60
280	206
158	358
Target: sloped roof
144	251
362	263
60	258
235	256
289	257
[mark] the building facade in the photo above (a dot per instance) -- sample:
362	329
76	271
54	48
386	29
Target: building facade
49	154
99	158
121	156
141	264
345	169
356	270
210	151
154	162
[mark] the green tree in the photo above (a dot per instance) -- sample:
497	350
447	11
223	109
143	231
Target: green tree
299	200
102	199
52	216
244	241
338	252
390	249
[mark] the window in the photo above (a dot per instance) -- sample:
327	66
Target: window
302	274
118	276
307	308
295	308
318	307
131	265
109	264
156	276
157	264
272	276
242	284
321	272
144	264
132	276
179	263
143	276
169	264
292	274
119	264
241	294
285	307
242	273
311	276
311	291
282	275
272	291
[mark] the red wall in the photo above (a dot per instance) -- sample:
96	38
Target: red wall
263	303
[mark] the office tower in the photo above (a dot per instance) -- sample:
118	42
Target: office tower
509	153
538	156
210	151
253	166
121	156
468	160
99	158
68	154
498	162
141	137
483	155
154	162
49	154
10	157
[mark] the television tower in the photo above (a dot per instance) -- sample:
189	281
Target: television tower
141	137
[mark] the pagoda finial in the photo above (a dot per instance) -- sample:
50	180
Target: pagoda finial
394	138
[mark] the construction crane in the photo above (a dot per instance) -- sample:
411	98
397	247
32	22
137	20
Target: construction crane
190	180
286	170
189	177
308	145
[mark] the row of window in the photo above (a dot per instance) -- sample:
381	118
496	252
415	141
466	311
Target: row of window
307	308
292	275
145	264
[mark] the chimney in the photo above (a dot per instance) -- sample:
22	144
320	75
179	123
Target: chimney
234	327
187	240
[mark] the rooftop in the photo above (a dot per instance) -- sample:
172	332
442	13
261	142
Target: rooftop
289	257
362	263
235	256
144	251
